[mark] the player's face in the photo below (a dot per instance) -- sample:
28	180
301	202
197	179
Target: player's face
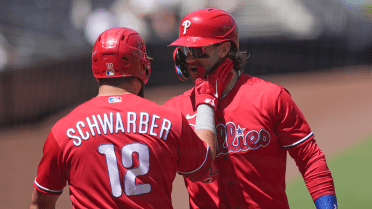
208	61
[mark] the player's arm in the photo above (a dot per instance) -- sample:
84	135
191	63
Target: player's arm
40	200
295	134
313	167
49	182
208	91
205	127
194	156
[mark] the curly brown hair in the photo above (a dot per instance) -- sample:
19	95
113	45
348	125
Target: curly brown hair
238	57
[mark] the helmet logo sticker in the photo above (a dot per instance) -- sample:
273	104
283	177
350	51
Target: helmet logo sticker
186	24
110	66
110	69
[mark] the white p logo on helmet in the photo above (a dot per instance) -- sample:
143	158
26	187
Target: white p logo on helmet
186	24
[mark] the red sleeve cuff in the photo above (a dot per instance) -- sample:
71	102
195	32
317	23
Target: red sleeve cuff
44	190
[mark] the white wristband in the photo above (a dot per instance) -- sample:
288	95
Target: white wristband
205	118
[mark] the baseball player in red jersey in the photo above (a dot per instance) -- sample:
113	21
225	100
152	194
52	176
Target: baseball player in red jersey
119	150
257	123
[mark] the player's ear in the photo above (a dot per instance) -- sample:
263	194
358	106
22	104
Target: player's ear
224	49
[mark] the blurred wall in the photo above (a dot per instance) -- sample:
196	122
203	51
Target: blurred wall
28	95
45	46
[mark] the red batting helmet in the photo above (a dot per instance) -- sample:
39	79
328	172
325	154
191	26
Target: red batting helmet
205	27
120	52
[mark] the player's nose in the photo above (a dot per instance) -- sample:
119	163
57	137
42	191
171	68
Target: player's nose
190	59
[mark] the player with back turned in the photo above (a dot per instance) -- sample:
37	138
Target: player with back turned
257	124
119	150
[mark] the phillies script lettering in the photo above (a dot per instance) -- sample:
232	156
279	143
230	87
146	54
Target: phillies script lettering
235	139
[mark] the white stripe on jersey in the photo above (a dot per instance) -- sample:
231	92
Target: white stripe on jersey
46	189
206	157
300	141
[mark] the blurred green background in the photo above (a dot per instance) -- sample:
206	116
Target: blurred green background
351	171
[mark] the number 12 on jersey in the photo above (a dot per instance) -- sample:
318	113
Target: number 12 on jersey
130	186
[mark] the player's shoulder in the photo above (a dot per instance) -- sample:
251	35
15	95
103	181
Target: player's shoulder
103	105
261	82
180	99
261	85
151	107
168	110
74	113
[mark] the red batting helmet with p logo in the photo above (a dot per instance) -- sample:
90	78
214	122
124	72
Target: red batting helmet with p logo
205	27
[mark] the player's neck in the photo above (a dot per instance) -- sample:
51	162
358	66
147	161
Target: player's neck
231	83
106	90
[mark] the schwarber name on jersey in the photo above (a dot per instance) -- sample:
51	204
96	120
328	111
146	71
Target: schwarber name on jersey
252	143
111	123
118	154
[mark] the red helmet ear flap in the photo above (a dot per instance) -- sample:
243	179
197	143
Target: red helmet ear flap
180	64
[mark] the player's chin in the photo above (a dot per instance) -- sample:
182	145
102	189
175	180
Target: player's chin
193	74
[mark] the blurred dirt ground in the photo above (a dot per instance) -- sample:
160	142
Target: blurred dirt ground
336	104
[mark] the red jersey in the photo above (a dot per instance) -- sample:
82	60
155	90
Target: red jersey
120	152
256	122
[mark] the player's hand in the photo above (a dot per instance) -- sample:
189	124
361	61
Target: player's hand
209	89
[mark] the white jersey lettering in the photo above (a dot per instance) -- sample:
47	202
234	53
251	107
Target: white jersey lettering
119	124
76	142
78	127
93	125
131	119
106	123
143	123
165	127
112	123
154	125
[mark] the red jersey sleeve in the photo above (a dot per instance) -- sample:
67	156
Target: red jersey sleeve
295	134
290	125
50	177
313	167
195	162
